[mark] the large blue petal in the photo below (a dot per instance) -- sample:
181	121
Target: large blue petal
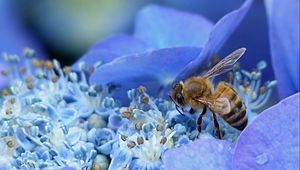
208	154
218	36
111	48
284	39
162	27
271	141
154	70
122	44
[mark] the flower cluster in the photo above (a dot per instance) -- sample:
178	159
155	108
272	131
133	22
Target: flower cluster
52	118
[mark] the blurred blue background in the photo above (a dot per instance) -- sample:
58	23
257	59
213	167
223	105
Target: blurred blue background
66	29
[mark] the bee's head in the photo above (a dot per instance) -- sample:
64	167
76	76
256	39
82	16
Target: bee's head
177	95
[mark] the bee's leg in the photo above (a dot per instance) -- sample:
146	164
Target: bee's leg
217	126
199	120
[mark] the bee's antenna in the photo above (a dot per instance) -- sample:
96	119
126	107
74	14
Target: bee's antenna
176	106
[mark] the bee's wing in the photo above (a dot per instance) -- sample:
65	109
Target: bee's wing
220	105
226	64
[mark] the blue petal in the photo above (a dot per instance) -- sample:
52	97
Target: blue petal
94	56
120	160
208	154
283	19
121	44
105	148
218	36
115	120
271	141
154	70
73	135
111	48
162	27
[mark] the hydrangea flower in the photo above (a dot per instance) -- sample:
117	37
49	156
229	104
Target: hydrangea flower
173	46
40	130
284	40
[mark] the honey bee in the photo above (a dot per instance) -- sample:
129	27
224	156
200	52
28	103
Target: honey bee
198	93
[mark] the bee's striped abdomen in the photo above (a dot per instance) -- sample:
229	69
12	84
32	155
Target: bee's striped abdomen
237	116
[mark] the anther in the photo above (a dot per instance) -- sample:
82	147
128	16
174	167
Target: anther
141	89
123	137
131	144
5	92
246	84
30	85
12	100
90	70
145	100
138	126
54	78
4	72
159	127
8	111
262	90
163	140
127	115
22	70
36	63
28	79
140	140
10	143
48	65
67	69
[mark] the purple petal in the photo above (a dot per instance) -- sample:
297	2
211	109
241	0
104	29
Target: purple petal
154	70
121	44
201	154
283	19
218	36
271	141
162	27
